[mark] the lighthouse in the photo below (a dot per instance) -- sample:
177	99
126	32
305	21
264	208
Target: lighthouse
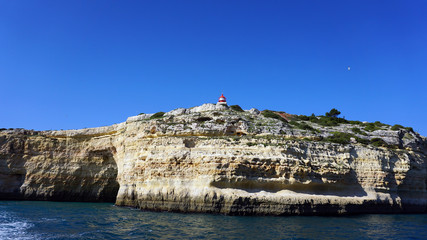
222	101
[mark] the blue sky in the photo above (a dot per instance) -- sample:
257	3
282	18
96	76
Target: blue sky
76	64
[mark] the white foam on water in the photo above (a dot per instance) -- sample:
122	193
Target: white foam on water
13	228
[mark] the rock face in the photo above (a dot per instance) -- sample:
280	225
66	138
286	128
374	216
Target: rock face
212	160
42	167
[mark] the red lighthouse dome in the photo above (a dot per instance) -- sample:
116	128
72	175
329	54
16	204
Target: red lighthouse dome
222	100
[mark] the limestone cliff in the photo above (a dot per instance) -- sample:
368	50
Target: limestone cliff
217	160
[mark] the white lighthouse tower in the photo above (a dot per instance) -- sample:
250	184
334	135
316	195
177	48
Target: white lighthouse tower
222	100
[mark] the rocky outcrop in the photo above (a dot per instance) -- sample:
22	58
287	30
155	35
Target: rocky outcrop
38	166
207	159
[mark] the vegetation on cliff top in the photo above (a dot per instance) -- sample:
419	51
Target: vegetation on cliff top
235	122
331	119
273	114
237	108
157	115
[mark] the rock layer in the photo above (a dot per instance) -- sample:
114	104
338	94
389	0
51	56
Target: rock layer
216	161
36	166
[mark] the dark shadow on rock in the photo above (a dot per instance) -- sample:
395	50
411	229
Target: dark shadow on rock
263	177
189	143
12	170
255	185
413	189
59	178
89	184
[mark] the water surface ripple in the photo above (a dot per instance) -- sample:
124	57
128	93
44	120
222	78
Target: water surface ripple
66	220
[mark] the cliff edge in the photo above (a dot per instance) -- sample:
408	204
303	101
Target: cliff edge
216	159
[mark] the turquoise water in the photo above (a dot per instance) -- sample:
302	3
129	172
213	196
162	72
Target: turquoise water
56	220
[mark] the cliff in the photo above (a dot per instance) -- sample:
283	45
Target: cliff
217	160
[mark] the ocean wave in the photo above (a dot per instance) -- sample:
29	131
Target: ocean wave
16	230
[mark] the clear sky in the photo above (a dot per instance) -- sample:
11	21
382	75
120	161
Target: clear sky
76	64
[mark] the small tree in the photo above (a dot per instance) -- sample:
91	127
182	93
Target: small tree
333	113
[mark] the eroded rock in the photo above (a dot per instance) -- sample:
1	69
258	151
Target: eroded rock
215	160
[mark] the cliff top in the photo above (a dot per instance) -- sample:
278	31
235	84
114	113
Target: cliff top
213	120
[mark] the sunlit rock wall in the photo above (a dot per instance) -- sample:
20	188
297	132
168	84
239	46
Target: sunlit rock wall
216	161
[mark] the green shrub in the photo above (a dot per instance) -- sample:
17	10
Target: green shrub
157	115
378	142
370	127
363	141
409	129
380	124
271	114
311	118
328	121
355	122
300	117
236	108
358	131
396	127
303	126
340	137
294	123
141	113
2	129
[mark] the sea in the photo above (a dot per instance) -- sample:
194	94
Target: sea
70	220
